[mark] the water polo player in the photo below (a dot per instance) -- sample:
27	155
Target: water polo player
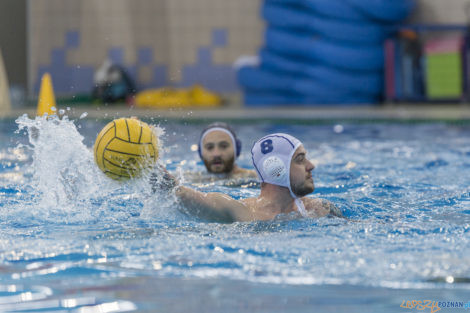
286	178
218	148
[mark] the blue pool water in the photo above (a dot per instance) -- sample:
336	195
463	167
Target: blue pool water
71	240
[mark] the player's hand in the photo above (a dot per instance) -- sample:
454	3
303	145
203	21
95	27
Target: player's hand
161	179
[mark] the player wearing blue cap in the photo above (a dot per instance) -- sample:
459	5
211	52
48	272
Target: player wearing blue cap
218	147
286	178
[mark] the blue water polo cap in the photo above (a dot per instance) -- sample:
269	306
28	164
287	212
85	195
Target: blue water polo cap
224	127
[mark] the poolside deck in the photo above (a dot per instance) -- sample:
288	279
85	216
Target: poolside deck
451	112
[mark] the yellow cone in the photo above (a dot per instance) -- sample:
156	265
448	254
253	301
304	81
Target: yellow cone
46	103
5	104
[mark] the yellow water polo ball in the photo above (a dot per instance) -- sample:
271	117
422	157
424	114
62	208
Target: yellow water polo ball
125	147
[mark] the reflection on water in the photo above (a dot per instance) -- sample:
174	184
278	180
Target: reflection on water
17	298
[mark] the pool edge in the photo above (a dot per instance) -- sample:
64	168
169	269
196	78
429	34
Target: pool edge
408	113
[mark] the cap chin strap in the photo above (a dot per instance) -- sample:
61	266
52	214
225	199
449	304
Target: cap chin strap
301	207
299	203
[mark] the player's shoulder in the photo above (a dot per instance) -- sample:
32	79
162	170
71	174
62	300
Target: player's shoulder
321	207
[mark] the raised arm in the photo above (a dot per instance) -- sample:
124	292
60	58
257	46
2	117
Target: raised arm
212	206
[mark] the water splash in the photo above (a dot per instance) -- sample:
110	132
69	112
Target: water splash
67	186
65	177
410	225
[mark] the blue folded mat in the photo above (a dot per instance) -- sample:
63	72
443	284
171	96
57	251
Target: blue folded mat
285	16
349	81
352	57
330	8
383	10
357	10
269	99
261	80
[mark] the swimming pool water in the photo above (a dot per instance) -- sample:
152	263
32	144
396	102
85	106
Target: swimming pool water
71	240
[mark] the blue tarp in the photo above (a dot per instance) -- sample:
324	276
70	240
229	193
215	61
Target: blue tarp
295	18
262	81
332	53
322	51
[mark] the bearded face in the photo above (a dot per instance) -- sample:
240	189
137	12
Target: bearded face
304	189
218	165
301	168
218	152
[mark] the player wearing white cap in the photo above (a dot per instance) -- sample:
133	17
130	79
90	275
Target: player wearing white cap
286	178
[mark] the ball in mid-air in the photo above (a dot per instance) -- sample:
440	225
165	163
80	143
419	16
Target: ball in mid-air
125	147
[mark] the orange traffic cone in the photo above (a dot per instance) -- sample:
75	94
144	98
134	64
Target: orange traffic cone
46	103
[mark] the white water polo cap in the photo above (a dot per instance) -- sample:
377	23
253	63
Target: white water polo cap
272	156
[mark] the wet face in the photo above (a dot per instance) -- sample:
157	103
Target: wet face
218	152
301	168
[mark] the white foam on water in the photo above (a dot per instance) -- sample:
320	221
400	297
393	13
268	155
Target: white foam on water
64	175
68	186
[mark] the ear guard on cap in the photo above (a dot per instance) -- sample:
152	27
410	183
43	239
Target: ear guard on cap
275	169
238	143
